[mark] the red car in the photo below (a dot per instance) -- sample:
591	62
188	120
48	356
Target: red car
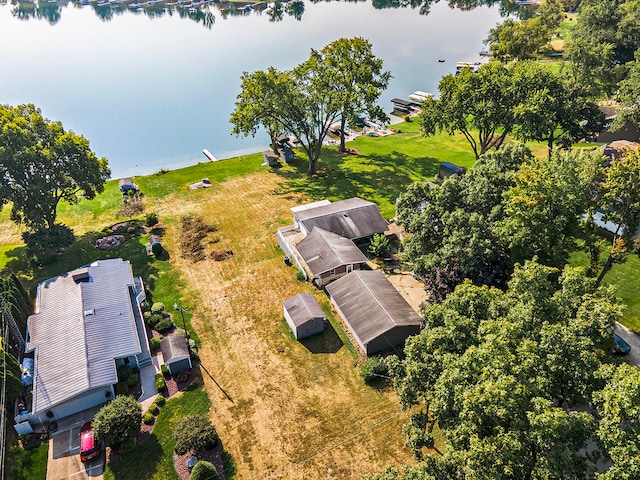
89	445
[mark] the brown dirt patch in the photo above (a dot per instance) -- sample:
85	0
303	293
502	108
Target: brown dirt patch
284	410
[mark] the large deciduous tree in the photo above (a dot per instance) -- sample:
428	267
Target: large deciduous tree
499	372
604	40
525	39
307	99
618	405
42	164
479	105
354	77
554	111
620	200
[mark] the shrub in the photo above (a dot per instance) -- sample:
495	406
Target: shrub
161	386
157	250
407	118
300	276
379	246
160	401
157	307
145	306
122	388
148	418
44	245
194	432
132	380
164	369
164	325
182	376
118	421
373	370
124	371
154	319
204	471
146	315
150	219
153	409
154	343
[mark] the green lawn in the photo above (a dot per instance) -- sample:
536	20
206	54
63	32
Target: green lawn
153	459
625	277
29	464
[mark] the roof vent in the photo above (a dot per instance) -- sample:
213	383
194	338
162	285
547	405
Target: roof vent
89	312
81	275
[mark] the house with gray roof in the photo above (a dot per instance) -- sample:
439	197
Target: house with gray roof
353	218
304	315
328	256
86	324
376	315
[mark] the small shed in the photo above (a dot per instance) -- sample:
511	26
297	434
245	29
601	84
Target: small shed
175	352
126	185
448	169
304	315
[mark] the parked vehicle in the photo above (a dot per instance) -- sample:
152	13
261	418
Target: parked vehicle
89	445
620	346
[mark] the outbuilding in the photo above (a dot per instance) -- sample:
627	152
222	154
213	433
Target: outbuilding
304	315
377	316
448	169
175	352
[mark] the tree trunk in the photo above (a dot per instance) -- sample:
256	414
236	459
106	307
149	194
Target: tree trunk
342	146
312	166
274	143
605	268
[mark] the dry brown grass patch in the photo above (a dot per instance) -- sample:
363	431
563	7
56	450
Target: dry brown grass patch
287	403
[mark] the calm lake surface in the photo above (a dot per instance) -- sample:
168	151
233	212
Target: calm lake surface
151	93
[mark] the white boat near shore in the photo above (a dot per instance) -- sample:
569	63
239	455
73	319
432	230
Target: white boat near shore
209	155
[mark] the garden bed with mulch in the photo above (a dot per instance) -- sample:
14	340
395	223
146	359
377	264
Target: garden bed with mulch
212	456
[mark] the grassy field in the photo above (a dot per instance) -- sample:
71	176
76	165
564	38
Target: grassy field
153	459
283	409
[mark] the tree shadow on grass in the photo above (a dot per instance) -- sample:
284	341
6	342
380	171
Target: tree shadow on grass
150	452
372	176
325	342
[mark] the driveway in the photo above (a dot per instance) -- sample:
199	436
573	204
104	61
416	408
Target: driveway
64	452
633	358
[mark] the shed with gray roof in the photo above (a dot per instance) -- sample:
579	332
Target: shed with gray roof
175	353
353	218
86	324
329	256
377	316
304	315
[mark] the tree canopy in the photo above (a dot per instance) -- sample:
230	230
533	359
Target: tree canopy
117	422
603	41
339	81
525	39
524	98
41	165
508	208
499	371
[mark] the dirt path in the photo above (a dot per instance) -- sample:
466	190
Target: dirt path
291	412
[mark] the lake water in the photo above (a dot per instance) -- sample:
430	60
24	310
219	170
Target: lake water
151	93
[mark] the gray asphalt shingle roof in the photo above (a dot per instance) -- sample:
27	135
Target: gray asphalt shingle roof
351	218
303	307
80	326
370	304
323	251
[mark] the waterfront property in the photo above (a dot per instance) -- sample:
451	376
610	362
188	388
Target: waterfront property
87	324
